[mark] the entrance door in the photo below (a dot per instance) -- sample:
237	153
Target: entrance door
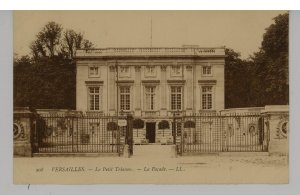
150	132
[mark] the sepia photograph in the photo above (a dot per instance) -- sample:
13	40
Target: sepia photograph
151	97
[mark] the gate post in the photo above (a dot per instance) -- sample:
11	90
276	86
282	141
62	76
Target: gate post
23	126
276	119
129	134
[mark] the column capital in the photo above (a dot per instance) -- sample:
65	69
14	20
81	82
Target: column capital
112	68
137	68
163	67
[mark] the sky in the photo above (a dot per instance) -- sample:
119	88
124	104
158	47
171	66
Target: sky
240	30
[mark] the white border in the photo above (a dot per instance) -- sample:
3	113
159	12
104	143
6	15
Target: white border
149	5
6	105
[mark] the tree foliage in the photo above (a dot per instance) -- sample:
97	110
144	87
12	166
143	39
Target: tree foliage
48	78
73	41
262	79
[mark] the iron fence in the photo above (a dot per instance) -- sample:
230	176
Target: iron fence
214	132
197	133
78	133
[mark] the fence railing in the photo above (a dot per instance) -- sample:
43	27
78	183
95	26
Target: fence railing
77	133
198	133
222	133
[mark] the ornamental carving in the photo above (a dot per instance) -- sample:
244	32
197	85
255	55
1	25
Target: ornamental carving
282	128
252	129
137	68
189	67
18	130
230	129
163	67
112	68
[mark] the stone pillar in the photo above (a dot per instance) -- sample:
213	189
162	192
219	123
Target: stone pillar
189	88
23	128
137	89
112	90
163	91
276	121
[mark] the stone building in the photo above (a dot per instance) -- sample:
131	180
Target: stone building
153	84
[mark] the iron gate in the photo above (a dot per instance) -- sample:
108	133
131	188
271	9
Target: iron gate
78	133
222	133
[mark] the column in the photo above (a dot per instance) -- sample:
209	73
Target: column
112	90
137	91
163	91
189	89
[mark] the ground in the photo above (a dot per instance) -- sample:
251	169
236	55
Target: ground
154	164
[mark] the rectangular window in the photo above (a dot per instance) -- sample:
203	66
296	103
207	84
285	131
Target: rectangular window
176	70
150	98
94	71
207	97
94	98
206	71
176	97
125	98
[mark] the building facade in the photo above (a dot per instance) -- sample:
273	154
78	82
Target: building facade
150	83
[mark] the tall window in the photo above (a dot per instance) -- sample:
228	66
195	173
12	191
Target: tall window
150	98
94	98
176	97
125	98
207	97
206	71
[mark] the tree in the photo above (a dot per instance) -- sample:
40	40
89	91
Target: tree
53	41
48	78
48	83
47	40
272	63
262	79
73	41
238	77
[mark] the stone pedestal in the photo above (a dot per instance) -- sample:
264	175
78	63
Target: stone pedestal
22	132
276	121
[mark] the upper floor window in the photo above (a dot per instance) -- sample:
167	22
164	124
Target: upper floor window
125	98
94	71
176	70
124	71
176	98
207	96
206	71
150	71
94	98
150	97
